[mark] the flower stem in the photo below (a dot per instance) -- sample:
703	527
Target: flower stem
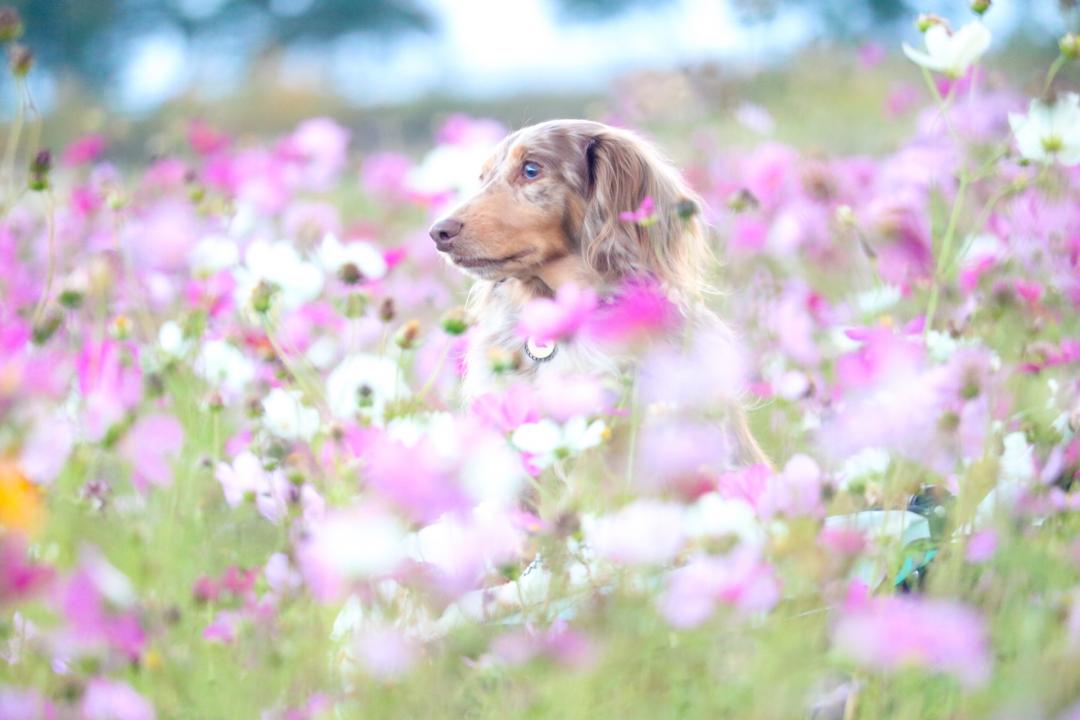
1052	72
50	223
943	254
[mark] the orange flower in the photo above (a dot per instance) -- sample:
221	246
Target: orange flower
20	500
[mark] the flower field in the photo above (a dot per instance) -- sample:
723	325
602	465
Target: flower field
239	478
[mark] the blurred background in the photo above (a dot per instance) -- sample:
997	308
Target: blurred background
390	69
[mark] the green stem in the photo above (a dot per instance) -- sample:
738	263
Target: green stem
11	147
50	222
943	254
1052	72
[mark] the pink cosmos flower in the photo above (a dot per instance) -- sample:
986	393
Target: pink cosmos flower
19	577
643	215
106	699
384	652
245	478
110	382
740	579
545	320
888	633
84	150
204	138
418	479
981	546
560	643
640	309
151	446
94	601
508	409
385	174
20	704
320	144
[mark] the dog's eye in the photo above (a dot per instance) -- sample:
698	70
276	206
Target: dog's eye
530	170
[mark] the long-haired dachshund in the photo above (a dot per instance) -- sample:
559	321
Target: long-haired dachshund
546	214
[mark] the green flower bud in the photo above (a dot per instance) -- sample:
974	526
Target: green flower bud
11	26
1069	44
454	321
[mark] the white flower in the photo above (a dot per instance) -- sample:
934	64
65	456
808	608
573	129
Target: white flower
1049	132
357	543
278	264
288	418
171	339
877	300
643	532
223	365
363	384
547	441
212	254
951	53
363	256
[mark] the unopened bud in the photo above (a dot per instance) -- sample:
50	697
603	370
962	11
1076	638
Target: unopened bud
350	274
262	296
742	200
20	60
1069	44
454	322
386	310
355	304
925	21
407	335
11	27
845	216
502	360
39	171
46	327
980	6
120	327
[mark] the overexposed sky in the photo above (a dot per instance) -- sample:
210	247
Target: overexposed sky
495	47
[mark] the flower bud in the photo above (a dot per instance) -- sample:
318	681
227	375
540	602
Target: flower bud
262	296
686	209
120	327
20	60
980	6
11	27
1069	44
355	304
502	360
407	335
46	327
742	200
386	310
925	21
350	274
39	171
454	322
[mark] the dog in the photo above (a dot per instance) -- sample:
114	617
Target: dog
547	214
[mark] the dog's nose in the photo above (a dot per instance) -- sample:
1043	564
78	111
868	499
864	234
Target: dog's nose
444	231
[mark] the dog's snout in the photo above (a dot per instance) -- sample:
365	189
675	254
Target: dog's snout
444	231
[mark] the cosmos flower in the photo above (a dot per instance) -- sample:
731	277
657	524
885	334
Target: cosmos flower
890	633
1050	132
286	416
951	53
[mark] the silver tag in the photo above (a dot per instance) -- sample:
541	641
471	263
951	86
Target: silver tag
538	351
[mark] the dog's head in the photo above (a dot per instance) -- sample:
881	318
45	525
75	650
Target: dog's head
552	193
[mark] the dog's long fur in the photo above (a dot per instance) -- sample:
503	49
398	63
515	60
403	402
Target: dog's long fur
525	237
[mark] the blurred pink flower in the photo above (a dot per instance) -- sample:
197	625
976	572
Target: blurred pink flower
151	446
546	320
384	652
560	643
639	309
981	546
84	150
890	633
110	382
94	600
204	138
106	699
320	144
418	479
642	215
384	174
740	579
25	704
507	409
20	578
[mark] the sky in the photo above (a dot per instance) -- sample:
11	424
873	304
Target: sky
489	48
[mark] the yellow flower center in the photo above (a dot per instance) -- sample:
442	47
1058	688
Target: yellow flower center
1052	144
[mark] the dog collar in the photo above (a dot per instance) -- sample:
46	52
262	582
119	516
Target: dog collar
538	351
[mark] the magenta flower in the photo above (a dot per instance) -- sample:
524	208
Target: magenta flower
204	138
19	577
638	310
546	320
981	546
110	381
84	150
889	633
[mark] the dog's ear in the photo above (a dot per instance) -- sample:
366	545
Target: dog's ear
621	172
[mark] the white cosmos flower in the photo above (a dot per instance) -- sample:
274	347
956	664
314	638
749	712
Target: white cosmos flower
212	254
225	366
1049	132
280	265
285	416
951	53
171	339
364	256
546	440
363	384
